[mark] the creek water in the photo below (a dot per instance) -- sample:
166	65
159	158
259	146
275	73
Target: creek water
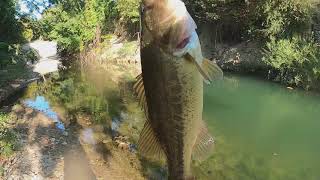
263	130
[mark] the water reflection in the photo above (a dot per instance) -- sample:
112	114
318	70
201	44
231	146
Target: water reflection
42	105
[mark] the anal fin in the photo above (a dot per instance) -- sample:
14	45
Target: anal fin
148	144
203	148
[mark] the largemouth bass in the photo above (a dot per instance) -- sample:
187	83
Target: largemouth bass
170	88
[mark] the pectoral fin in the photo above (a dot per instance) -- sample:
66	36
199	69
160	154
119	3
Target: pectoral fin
212	69
209	70
148	144
204	145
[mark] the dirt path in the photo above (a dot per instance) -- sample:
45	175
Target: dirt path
82	151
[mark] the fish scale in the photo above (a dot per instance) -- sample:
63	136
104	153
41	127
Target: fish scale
169	109
170	88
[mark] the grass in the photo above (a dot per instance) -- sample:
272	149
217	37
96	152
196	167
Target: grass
7	136
129	48
1	171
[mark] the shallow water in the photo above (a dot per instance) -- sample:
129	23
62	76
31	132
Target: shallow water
262	130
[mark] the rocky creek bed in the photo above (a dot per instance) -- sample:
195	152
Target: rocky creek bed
80	151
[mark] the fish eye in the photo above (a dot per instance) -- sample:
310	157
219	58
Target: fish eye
147	7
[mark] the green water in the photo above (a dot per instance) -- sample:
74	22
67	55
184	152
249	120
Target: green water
262	130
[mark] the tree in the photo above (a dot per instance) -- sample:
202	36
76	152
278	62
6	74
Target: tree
10	28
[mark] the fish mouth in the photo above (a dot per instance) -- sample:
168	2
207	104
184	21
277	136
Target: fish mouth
183	43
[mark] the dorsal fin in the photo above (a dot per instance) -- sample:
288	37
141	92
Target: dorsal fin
139	90
204	145
148	144
138	82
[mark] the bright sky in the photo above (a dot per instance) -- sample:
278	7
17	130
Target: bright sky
24	8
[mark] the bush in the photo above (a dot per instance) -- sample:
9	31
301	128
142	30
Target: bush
128	17
31	27
262	19
297	61
10	27
4	54
74	28
27	34
13	58
284	18
206	10
129	10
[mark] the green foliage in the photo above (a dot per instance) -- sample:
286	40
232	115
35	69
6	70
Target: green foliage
51	18
129	10
68	33
14	30
285	18
13	62
74	27
265	18
70	6
7	54
78	95
15	54
275	23
10	28
4	54
297	60
7	136
205	10
31	28
27	34
75	24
